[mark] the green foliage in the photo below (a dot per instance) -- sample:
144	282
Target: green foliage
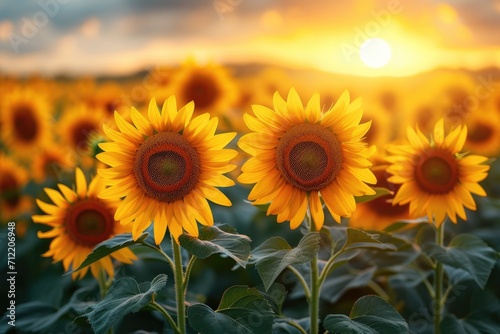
218	240
241	310
123	297
369	315
481	318
275	254
360	239
379	192
40	316
110	246
343	239
466	252
343	279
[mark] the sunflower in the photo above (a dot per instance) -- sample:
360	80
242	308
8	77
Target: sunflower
108	97
379	213
483	133
25	122
436	180
300	155
79	222
211	87
166	166
13	179
50	163
78	124
158	84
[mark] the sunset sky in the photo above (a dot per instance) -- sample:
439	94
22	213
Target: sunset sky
120	37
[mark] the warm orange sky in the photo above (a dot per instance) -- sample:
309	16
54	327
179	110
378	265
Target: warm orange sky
116	37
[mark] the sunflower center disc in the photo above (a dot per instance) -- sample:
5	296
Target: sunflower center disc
437	172
25	124
9	190
81	132
167	167
309	156
89	222
480	133
202	89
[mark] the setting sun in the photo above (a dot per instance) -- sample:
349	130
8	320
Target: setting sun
375	52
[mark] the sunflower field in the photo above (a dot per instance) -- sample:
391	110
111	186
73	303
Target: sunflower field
205	196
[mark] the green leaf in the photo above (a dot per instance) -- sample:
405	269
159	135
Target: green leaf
39	316
342	280
241	310
379	192
406	223
369	315
110	246
478	325
123	297
214	240
239	296
275	254
361	239
346	238
275	295
467	252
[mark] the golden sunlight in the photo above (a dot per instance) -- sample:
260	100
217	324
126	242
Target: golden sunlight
375	52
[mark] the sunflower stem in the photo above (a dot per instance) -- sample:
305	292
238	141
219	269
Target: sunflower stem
315	284
302	282
438	282
165	314
189	266
297	326
160	250
179	287
103	283
378	290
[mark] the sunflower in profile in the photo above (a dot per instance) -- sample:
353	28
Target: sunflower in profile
25	122
166	166
13	179
436	180
211	87
300	156
79	222
379	213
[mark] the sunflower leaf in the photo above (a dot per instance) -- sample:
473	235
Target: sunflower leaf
241	310
218	240
123	297
466	252
379	192
369	315
361	239
110	246
275	254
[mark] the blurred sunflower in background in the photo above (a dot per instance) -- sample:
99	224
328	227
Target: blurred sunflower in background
13	179
210	86
79	221
301	155
165	167
158	83
483	133
379	213
50	163
76	127
436	179
25	122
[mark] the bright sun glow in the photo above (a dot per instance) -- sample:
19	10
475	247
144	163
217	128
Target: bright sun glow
375	52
